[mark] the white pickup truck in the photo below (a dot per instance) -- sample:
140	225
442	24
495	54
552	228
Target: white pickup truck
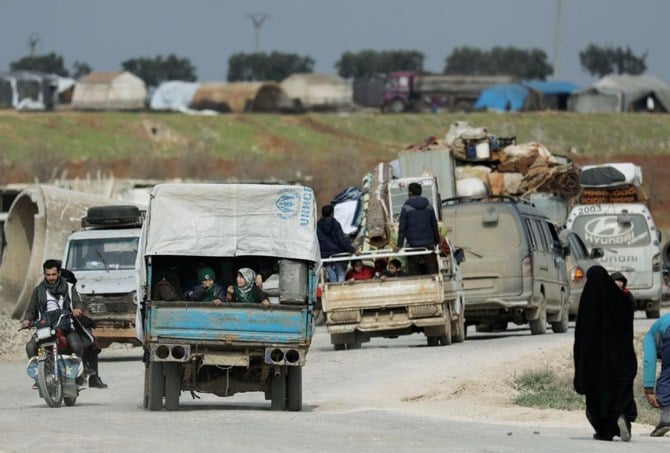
432	304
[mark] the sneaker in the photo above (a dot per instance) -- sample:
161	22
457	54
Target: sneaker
96	382
661	430
624	429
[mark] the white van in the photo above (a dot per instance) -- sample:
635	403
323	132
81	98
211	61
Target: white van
631	244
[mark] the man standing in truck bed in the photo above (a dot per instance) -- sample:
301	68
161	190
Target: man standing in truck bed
418	227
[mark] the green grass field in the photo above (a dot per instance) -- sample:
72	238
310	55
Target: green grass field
328	151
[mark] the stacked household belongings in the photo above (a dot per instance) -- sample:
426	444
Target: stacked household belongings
612	183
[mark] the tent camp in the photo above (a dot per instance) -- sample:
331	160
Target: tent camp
307	91
109	91
623	93
533	95
239	97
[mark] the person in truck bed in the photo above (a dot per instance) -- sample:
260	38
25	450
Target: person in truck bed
246	290
207	290
359	271
393	270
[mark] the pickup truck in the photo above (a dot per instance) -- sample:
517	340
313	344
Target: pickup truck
432	304
231	347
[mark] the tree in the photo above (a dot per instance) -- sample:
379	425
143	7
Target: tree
521	63
50	63
367	63
156	70
80	69
276	66
601	61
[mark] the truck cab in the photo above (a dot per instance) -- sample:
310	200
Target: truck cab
102	255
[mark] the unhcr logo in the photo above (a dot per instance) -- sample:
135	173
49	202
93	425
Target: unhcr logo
291	204
288	204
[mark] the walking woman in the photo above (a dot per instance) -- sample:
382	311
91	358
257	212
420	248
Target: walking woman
605	362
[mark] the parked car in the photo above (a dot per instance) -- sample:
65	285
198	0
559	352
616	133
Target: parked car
578	260
514	268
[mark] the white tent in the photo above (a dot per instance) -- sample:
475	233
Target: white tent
109	91
623	93
174	95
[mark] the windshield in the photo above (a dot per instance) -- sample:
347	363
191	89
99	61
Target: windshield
107	253
607	230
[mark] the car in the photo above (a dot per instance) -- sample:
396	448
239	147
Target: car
578	260
514	268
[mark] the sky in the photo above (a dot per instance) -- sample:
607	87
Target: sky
103	33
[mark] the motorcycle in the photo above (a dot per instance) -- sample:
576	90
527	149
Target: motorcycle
56	373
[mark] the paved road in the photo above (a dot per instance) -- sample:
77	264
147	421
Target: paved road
387	396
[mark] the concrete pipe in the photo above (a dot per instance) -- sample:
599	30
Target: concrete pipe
37	227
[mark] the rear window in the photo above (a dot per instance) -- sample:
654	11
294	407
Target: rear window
605	230
471	232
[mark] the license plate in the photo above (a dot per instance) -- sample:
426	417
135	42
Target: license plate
43	333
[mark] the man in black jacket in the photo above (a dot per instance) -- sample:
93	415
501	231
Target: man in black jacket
331	241
418	228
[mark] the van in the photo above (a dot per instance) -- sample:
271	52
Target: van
631	244
514	268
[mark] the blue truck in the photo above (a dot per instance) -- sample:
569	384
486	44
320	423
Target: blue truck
231	347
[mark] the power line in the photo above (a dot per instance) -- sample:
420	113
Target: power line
257	19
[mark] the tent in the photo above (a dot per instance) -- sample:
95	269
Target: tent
309	91
623	93
28	90
533	95
173	95
239	97
109	91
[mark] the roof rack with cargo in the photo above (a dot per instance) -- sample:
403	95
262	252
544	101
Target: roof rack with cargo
120	216
468	199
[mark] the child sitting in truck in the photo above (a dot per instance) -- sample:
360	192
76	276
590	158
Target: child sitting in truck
359	271
393	270
246	290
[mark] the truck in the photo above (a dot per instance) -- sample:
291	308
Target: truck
231	347
432	304
102	255
411	91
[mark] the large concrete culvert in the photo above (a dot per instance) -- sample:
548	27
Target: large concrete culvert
38	224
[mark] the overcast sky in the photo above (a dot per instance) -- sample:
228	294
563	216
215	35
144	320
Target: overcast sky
103	33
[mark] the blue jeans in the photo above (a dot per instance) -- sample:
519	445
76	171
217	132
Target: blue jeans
336	271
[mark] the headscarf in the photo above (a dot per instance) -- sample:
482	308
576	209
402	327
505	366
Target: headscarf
603	349
244	293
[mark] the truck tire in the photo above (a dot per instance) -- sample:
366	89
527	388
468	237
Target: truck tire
156	386
278	398
113	215
561	326
458	329
294	388
654	312
172	385
397	106
433	340
538	326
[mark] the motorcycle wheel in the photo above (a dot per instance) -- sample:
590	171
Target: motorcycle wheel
51	385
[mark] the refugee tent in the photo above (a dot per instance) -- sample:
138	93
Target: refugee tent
174	95
239	97
533	95
307	91
623	93
109	91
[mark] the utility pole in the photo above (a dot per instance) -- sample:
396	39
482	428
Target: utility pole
33	40
257	19
557	43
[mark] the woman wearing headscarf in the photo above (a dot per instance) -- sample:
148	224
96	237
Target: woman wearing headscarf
245	289
605	362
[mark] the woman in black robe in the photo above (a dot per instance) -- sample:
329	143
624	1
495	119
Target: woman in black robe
605	362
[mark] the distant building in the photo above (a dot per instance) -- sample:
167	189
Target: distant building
109	91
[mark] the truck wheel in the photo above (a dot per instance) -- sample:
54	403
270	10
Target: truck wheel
433	340
538	326
294	388
145	401
172	385
156	386
354	341
278	400
339	346
562	325
458	329
653	314
397	106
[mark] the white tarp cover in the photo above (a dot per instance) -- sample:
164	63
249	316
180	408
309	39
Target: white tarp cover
232	220
174	95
